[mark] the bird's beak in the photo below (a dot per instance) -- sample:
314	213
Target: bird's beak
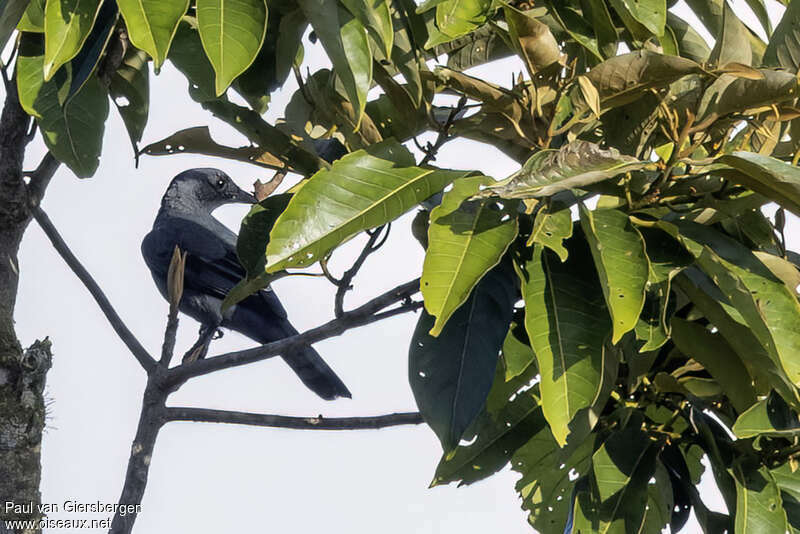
244	197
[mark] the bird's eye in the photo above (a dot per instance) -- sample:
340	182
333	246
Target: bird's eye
220	183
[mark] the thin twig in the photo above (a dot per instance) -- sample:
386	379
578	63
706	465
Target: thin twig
360	316
139	352
345	284
444	133
203	415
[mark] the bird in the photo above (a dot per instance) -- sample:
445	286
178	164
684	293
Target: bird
212	269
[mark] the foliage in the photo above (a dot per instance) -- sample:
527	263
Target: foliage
644	309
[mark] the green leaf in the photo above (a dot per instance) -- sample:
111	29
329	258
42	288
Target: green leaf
253	238
152	25
195	66
615	462
749	286
752	353
130	91
625	78
345	40
773	178
731	94
290	37
769	417
576	27
518	357
67	24
73	131
33	18
376	17
451	374
691	44
551	227
548	477
465	240
85	63
455	18
532	40
476	48
621	262
714	353
567	324
598	14
733	45
232	32
574	165
498	434
652	14
11	12
783	49
759	507
359	192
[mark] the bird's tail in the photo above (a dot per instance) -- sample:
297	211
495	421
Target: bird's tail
316	374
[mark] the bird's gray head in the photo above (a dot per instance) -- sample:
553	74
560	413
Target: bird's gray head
204	189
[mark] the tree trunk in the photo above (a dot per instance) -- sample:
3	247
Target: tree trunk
22	374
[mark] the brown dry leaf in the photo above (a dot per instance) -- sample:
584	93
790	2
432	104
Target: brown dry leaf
263	190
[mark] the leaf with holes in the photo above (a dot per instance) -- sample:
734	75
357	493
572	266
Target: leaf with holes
360	191
197	140
567	324
574	165
67	24
152	25
232	32
130	91
759	507
451	374
465	240
72	131
620	259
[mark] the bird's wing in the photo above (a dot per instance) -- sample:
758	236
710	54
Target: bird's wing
212	265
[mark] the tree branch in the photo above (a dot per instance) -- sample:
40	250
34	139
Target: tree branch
139	352
40	178
360	316
345	284
203	415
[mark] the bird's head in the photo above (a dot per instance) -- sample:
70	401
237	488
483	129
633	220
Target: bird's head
205	189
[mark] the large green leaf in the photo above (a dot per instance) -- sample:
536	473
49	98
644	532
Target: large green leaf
499	432
600	17
733	44
625	78
759	507
84	64
783	49
376	17
567	324
769	417
748	285
232	32
773	178
714	353
691	44
183	53
621	262
549	475
73	131
465	240
152	24
451	374
574	165
532	40
33	18
67	24
11	12
652	14
730	94
576	27
359	192
130	91
345	41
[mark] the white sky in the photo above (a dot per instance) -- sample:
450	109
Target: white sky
211	478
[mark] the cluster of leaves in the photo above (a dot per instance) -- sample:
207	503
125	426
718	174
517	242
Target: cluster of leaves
602	351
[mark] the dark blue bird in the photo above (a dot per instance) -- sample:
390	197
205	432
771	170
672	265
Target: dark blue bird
213	268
